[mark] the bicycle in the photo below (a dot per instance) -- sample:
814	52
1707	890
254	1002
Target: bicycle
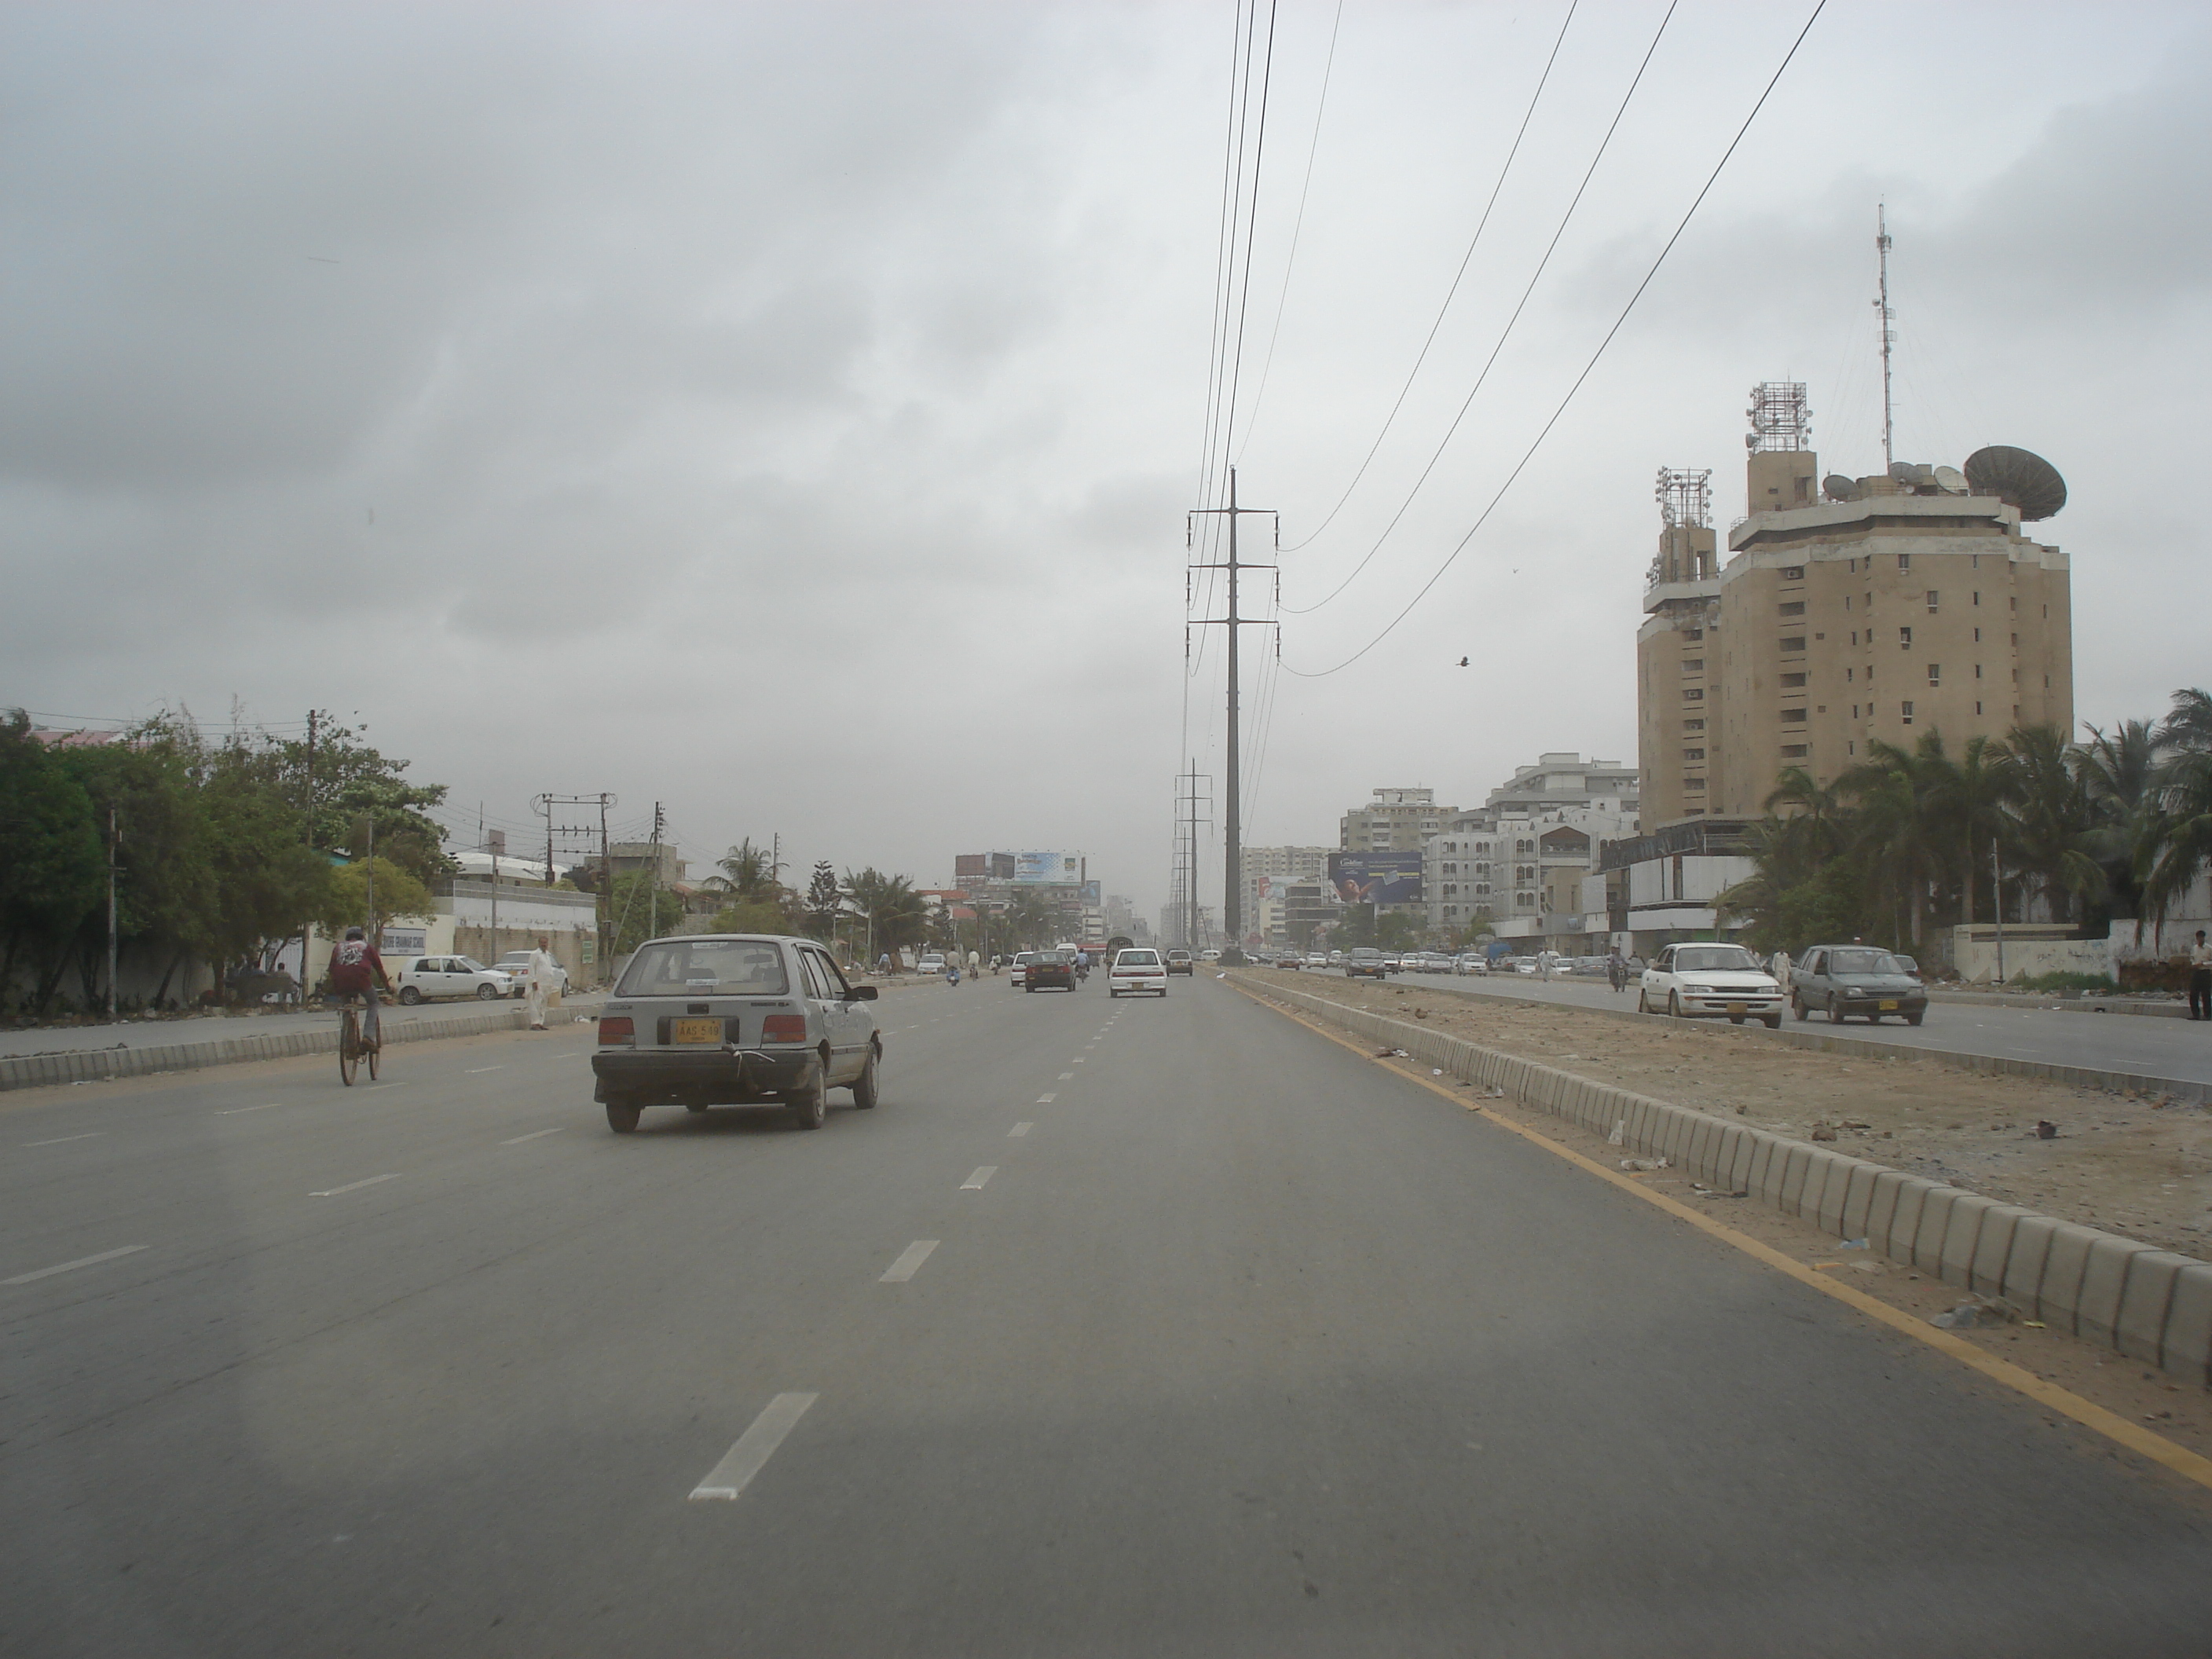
353	1047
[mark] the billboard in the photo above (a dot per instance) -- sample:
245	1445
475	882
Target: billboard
1036	869
1375	877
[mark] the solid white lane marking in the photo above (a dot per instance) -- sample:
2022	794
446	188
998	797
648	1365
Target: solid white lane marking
233	1111
539	1135
1020	1129
89	1134
71	1267
754	1447
910	1262
353	1186
981	1176
1045	1100
478	1071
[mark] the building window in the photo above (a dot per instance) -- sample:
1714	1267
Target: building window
1907	708
1977	671
1849	674
1978	708
2015	601
1932	597
1694	694
1693	726
1977	592
1794	647
1793	573
1793	751
1793	679
1694	633
1934	673
1854	711
1693	665
1904	638
2015	641
1904	562
1795	607
1695	786
1978	636
1793	717
1693	754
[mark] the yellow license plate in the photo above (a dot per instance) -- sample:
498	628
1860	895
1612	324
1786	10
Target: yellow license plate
1889	1007
697	1030
1735	1007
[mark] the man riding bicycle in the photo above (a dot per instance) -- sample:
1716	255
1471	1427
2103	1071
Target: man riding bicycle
357	970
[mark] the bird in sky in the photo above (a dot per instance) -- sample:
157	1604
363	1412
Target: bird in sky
1463	662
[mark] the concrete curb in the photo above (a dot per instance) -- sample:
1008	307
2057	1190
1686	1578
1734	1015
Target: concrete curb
2176	1009
1797	1036
103	1065
2153	1305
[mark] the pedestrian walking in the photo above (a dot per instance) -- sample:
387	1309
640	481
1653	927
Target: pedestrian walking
1778	965
974	964
2200	978
884	963
543	977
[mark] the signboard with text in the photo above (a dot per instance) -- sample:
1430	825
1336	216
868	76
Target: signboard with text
1375	877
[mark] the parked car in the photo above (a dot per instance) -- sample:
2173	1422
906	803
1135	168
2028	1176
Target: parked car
1473	962
713	1019
1693	981
1289	960
932	962
1850	981
515	965
1138	969
1364	964
1017	969
1179	962
420	979
1209	954
1048	969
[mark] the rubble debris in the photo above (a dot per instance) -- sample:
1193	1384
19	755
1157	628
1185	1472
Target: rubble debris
1976	1313
1619	1135
1646	1164
1822	1131
2045	1129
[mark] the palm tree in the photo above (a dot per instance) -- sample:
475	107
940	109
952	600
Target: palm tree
2175	845
897	915
1967	798
748	873
1899	837
2055	828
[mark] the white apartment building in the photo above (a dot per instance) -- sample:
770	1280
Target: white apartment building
1267	871
1525	869
1395	821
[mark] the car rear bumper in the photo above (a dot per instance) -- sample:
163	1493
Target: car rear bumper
651	1074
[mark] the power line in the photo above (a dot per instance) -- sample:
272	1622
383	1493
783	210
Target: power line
1618	323
1506	333
1450	293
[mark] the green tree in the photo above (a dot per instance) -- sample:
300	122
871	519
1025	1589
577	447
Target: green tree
52	865
2176	842
747	873
350	779
895	914
643	907
825	903
345	902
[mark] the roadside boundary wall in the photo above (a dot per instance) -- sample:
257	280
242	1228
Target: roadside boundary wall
2150	1304
102	1064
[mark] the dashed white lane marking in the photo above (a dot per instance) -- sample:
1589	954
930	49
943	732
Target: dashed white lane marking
233	1111
981	1176
478	1071
353	1186
909	1263
1078	1060
1064	1075
71	1267
754	1447
539	1135
1020	1129
574	1053
1046	1100
89	1134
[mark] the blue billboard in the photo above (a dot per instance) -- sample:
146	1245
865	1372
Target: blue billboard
1375	877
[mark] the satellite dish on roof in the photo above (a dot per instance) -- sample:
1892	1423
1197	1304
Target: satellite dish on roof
1837	488
2019	477
1950	480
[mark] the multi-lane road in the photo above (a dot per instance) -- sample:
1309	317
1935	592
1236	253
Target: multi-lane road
1133	1328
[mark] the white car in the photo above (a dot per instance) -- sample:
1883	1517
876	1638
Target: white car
1137	970
515	965
1018	970
418	979
931	963
1473	962
1710	981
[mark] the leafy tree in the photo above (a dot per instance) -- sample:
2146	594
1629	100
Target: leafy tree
267	884
2176	843
351	780
825	901
344	902
756	915
896	915
748	872
53	865
643	907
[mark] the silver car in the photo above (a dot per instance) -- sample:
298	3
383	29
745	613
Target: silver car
733	1019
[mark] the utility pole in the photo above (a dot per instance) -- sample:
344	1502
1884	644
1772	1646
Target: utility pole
1182	897
547	807
1996	902
307	929
111	912
653	904
1888	316
1232	897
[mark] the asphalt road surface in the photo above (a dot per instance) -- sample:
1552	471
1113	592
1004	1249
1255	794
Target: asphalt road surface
2118	1042
1140	1327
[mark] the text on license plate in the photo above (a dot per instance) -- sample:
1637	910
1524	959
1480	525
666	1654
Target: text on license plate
1735	1007
1888	1007
697	1030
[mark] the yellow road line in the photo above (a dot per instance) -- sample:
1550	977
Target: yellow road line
2179	1459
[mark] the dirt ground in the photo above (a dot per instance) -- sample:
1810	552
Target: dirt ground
2139	1166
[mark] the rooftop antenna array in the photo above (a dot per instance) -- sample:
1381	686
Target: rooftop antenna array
1685	495
1887	317
1779	419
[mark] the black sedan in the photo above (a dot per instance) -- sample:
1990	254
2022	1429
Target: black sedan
1366	964
1049	968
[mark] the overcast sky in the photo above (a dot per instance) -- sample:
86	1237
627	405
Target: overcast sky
788	413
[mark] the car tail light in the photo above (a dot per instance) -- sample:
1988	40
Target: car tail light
784	1028
613	1027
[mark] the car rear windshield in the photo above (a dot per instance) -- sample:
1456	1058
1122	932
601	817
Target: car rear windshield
1716	959
716	967
1137	959
1863	962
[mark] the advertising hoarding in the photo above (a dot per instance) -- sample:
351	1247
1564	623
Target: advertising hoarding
1036	869
1375	877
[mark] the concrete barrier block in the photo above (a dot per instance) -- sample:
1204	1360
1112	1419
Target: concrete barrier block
2104	1282
1992	1247
1765	1179
1819	1168
1726	1148
1789	1191
2025	1259
1738	1178
1934	1220
1827	1209
1675	1135
1955	1256
1639	1125
1858	1198
2185	1349
2144	1300
1905	1218
1705	1137
2058	1297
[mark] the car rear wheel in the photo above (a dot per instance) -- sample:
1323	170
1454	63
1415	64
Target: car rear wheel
1674	1005
865	1086
410	995
1798	1004
1835	1011
621	1116
487	994
809	1106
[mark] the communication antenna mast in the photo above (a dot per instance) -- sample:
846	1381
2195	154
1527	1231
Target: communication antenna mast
1888	335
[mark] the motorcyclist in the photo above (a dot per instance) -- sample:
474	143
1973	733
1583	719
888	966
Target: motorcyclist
1616	969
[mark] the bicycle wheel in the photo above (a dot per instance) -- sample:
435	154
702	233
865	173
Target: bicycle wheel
374	1051
349	1047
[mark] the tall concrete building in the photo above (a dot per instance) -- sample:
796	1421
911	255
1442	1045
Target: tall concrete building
1848	611
1566	779
1269	870
1395	821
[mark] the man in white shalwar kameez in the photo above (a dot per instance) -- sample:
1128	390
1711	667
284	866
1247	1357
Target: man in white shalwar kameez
542	975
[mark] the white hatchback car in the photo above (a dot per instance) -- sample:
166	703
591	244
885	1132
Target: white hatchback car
1712	981
1137	969
418	979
